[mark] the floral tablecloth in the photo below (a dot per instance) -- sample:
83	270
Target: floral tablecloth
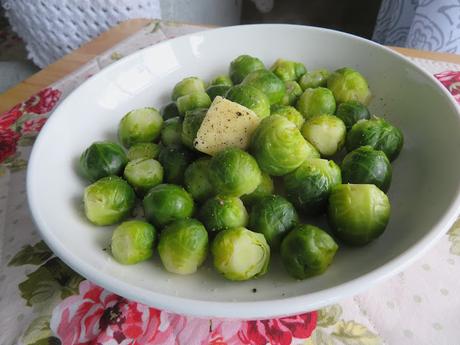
42	301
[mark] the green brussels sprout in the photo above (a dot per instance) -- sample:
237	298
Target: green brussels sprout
143	150
223	212
143	174
171	133
309	186
222	79
193	101
288	112
307	251
293	92
351	112
217	90
358	213
191	125
316	78
267	82
102	158
174	161
108	200
187	86
234	172
183	246
169	111
240	254
133	242
278	146
166	203
140	126
317	101
378	134
264	188
273	216
251	98
367	166
326	133
242	66
349	85
196	180
288	70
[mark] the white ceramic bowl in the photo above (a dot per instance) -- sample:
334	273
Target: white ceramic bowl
424	193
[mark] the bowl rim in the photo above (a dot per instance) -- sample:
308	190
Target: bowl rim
238	310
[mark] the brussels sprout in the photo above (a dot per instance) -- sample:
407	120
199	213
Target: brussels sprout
267	82
169	111
279	147
358	213
143	150
174	161
108	200
288	112
240	254
293	92
171	133
317	101
140	126
223	212
191	125
326	133
273	216
196	180
234	172
288	70
132	242
349	85
251	98
143	174
102	158
187	86
193	101
242	66
378	134
166	203
217	90
316	78
222	79
264	188
351	112
367	166
309	186
307	251
183	246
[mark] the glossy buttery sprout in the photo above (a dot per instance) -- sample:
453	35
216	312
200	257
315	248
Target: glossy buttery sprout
223	212
234	172
317	101
312	79
351	112
143	150
169	111
358	213
251	98
143	174
309	186
108	200
133	242
307	251
378	134
242	66
240	254
278	146
191	125
166	203
288	70
174	161
367	166
193	101
183	246
222	79
196	180
102	159
293	92
326	133
171	132
273	216
217	90
187	86
290	113
267	82
349	85
265	188
140	126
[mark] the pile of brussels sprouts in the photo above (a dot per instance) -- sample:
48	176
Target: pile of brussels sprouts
242	204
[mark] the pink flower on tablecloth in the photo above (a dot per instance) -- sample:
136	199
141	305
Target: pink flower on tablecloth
33	126
451	80
43	102
11	116
8	143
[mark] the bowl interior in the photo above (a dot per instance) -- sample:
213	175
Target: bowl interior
424	191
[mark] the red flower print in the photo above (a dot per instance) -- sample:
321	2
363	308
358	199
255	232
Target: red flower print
8	142
32	126
43	102
11	116
451	80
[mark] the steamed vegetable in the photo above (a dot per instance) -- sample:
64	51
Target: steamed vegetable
242	66
223	212
143	174
192	101
267	82
290	113
326	133
265	188
190	125
351	112
140	126
348	84
196	180
288	70
251	98
171	132
143	150
317	101
174	161
187	86
312	79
